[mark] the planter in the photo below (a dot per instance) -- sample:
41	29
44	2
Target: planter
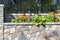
10	16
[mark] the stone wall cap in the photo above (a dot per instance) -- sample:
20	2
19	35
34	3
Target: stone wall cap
2	5
33	23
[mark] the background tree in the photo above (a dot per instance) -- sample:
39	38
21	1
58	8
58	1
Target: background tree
21	5
45	7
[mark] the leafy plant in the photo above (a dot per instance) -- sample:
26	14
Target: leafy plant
15	19
22	18
51	17
36	19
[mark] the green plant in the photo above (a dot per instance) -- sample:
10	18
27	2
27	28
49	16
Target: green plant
36	19
14	21
22	18
51	17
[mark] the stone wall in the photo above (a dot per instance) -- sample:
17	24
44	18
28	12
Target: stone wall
26	31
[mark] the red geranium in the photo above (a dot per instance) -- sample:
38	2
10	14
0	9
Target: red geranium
23	14
54	13
28	16
16	15
48	13
22	17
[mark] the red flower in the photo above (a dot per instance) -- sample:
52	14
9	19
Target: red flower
23	14
28	16
54	14
22	17
48	13
16	15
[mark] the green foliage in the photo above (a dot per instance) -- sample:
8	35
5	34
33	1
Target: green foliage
18	19
37	19
15	20
46	4
21	5
30	5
